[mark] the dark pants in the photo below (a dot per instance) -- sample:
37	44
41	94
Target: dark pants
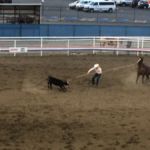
96	78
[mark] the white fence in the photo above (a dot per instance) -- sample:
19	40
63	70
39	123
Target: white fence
46	45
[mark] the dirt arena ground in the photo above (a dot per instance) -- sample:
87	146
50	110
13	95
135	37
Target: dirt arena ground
114	116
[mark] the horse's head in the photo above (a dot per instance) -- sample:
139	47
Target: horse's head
140	60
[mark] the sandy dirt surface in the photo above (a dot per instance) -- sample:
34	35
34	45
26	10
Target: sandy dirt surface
114	116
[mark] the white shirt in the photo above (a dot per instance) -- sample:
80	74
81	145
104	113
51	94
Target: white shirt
98	70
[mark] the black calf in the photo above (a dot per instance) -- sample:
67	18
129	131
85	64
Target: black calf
57	82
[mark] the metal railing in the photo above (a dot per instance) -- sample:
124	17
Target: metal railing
68	45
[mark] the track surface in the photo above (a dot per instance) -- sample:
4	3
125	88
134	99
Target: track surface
114	116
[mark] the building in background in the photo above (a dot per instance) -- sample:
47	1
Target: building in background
5	1
20	13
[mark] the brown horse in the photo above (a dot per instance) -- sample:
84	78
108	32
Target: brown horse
142	70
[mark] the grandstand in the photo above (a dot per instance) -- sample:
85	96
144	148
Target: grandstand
20	13
5	1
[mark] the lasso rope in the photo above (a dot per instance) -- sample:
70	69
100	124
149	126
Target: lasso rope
109	70
82	75
118	68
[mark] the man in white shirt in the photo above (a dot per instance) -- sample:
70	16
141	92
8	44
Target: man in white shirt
97	76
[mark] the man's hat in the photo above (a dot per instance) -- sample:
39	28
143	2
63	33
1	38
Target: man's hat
96	65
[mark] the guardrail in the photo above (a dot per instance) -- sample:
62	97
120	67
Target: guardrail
68	45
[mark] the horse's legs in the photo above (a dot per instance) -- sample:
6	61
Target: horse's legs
137	77
143	78
147	76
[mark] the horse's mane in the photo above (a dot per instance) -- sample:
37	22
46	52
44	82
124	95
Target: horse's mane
141	63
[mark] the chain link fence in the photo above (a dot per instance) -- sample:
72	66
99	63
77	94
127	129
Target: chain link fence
121	15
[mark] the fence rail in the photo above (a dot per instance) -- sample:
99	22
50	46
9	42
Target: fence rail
68	45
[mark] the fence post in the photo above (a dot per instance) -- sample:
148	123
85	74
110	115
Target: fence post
41	53
60	9
116	15
78	16
97	17
134	15
93	45
15	46
138	46
117	52
142	45
15	43
41	42
41	46
68	46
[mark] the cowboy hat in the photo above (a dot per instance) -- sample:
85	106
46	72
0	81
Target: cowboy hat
96	65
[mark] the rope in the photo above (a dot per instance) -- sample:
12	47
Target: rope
109	70
82	75
118	68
